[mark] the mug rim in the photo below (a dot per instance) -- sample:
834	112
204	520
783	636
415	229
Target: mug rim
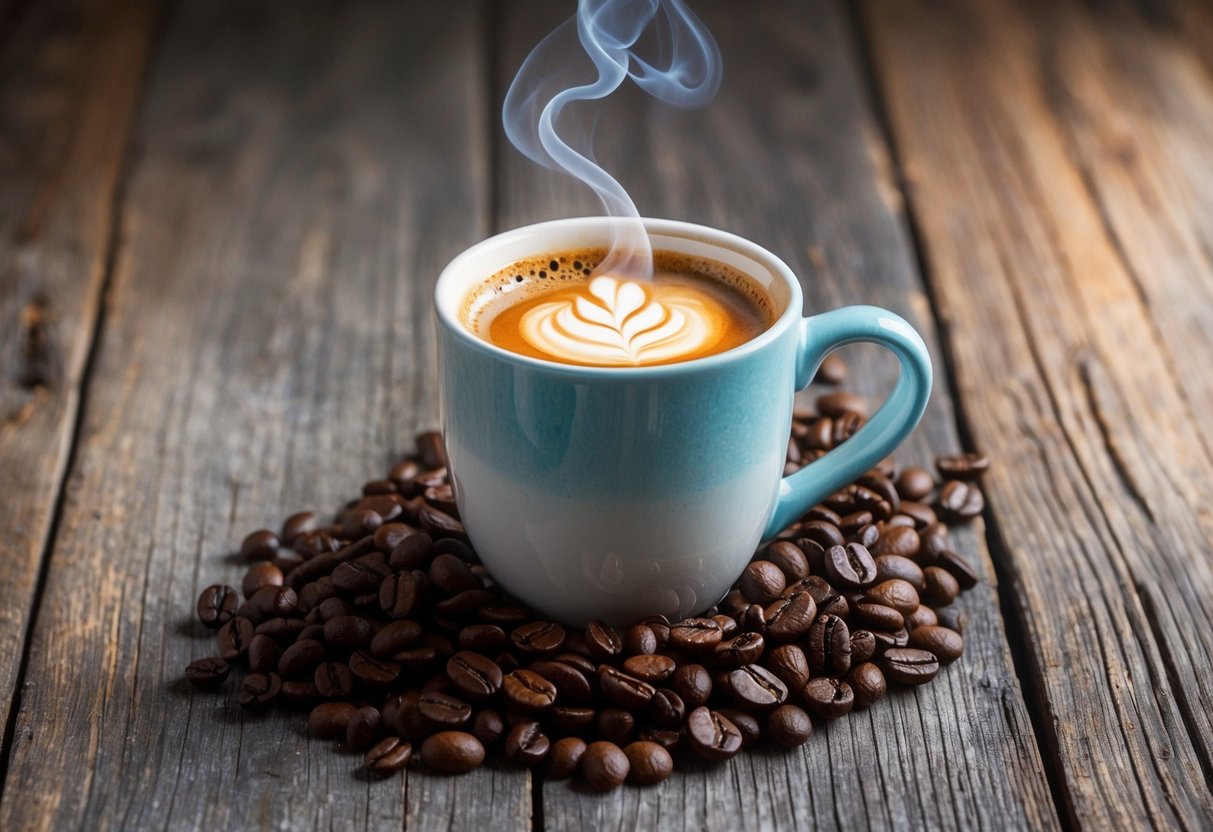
448	316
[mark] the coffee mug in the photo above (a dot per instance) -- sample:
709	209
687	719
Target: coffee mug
614	493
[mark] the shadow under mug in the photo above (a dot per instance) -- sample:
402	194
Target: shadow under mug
614	493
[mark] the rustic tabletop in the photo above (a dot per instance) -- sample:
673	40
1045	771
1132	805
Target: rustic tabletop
220	223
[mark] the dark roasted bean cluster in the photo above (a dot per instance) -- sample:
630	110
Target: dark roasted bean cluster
386	628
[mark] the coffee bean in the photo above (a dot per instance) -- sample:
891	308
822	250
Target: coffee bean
959	500
452	752
438	523
909	665
924	616
965	577
695	635
829	646
615	725
300	659
387	757
297	524
852	523
639	640
482	638
877	616
824	534
526	744
528	691
790	560
347	632
430	449
371	671
895	593
962	466
941	588
626	691
415	552
450	574
850	566
754	688
867	684
572	685
934	539
260	545
738	651
828	697
649	762
358	522
395	637
790	617
333	680
789	726
564	757
539	638
207	673
234	638
897	540
398	594
693	683
578	662
747	725
259	575
947	645
328	721
753	620
921	513
915	484
832	370
838	404
217	605
363	729
788	662
272	602
602	641
953	619
604	766
299	694
474	675
896	566
653	669
573	720
762	582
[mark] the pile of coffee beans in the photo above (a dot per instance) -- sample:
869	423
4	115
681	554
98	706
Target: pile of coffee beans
385	628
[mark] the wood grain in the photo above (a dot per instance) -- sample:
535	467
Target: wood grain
790	155
1073	299
304	172
70	73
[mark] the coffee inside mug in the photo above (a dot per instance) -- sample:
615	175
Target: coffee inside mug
555	306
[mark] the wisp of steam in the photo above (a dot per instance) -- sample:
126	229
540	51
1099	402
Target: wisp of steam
684	70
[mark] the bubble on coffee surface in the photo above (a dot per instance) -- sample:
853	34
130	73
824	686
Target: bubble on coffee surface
559	308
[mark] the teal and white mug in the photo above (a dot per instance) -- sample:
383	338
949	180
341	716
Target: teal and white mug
613	493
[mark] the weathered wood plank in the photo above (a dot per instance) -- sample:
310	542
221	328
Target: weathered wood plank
69	77
1046	151
790	155
305	170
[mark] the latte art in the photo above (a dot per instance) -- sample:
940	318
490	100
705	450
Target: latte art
619	322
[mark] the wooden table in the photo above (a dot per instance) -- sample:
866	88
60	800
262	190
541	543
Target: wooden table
219	227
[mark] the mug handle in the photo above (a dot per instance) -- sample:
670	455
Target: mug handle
820	335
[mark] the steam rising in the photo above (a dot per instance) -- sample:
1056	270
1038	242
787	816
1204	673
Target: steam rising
684	71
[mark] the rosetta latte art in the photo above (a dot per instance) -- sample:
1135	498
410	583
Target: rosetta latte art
620	323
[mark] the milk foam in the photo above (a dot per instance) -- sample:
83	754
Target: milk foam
620	322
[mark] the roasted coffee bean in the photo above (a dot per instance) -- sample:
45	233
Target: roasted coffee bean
578	662
441	711
528	691
660	625
390	535
897	540
430	449
398	594
363	729
921	513
747	725
358	577
217	605
260	545
388	756
438	523
328	721
877	616
788	662
850	566
442	497
649	763
953	619
347	632
728	625
754	688
828	601
762	582
602	641
915	484
539	638
934	539
395	637
829	646
695	635
568	720
207	673
666	709
959	500
413	553
653	669
403	474
886	639
263	654
965	577
488	726
639	640
300	659
824	534
962	466
828	697
259	689
372	672
867	684
693	683
852	523
450	574
910	665
297	524
753	620
838	403
895	593
260	575
604	766
299	694
564	757
274	601
234	638
482	638
452	752
615	725
743	649
572	685
832	370
896	566
789	726
790	560
941	588
333	680
711	735
789	618
624	690
924	616
358	522
474	675
947	645
526	744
